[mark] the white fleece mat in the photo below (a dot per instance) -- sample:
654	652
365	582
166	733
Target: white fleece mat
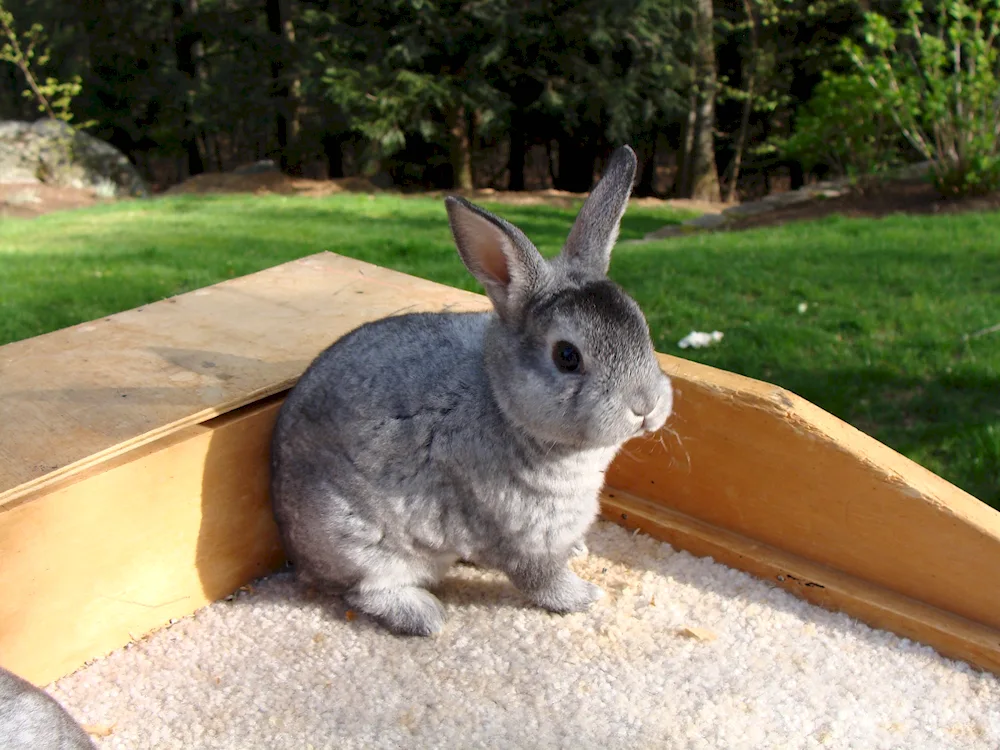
681	653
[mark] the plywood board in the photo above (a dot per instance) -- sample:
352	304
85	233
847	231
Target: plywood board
116	551
74	397
125	500
950	634
754	459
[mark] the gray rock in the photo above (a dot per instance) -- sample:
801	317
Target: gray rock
790	198
749	209
51	152
671	230
257	167
706	221
817	191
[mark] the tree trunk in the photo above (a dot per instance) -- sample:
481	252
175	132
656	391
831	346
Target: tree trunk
703	174
190	54
647	180
217	152
333	146
576	163
741	135
682	180
518	152
796	175
550	162
461	149
286	83
738	147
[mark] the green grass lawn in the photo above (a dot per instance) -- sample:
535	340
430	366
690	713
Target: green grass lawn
879	345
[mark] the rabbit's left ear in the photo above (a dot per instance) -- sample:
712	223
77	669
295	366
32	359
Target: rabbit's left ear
588	248
497	253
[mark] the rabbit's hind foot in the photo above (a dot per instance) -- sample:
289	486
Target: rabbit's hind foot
405	610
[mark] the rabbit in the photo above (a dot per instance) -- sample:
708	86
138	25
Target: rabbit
31	719
420	440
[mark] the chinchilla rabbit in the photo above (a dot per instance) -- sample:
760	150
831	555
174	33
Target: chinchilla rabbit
31	719
418	440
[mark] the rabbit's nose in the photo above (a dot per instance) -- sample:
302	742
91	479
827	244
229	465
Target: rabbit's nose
654	410
646	414
643	406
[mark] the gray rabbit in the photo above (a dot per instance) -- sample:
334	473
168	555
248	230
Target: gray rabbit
31	719
418	440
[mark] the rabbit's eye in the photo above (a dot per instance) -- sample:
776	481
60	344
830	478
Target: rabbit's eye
566	356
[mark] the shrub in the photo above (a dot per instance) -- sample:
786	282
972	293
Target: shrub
844	128
27	52
936	76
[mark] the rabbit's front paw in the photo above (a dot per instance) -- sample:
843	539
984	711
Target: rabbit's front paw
567	593
579	549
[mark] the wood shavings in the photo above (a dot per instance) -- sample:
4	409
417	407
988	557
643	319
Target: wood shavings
701	634
99	730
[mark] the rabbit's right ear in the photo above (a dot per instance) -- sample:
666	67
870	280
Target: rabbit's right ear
498	254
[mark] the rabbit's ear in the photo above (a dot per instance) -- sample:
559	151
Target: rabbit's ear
498	254
595	230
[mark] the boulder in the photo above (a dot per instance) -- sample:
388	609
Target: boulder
51	152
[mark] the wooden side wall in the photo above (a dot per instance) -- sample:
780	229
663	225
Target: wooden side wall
126	501
756	460
94	562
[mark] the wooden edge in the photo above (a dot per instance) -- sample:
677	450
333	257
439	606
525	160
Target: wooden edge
951	635
818	423
120	549
24	492
772	484
83	394
754	459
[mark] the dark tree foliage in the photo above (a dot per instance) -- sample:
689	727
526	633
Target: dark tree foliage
441	93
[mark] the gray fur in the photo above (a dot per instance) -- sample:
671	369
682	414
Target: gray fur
418	440
30	719
590	242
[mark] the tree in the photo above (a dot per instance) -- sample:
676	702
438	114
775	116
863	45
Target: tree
698	175
413	69
28	52
746	94
190	53
589	76
440	92
771	54
287	85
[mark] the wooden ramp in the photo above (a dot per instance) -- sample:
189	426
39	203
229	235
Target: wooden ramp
133	475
